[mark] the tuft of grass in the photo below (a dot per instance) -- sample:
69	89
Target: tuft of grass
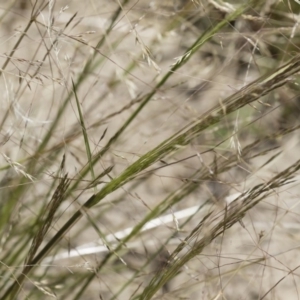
126	175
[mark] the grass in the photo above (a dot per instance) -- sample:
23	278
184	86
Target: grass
150	150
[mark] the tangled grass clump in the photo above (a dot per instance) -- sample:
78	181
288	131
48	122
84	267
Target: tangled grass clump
126	175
